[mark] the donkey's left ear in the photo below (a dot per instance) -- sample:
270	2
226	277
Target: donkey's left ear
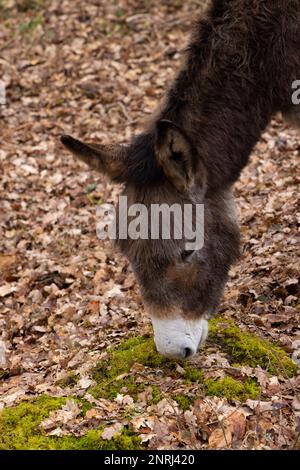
174	154
108	159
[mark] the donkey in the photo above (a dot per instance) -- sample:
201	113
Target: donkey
238	70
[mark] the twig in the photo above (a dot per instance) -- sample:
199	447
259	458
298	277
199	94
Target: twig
7	44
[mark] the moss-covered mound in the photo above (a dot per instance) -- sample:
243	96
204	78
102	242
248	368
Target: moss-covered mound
134	366
232	389
109	374
112	376
247	349
139	349
19	430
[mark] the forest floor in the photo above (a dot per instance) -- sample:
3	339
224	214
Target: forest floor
77	363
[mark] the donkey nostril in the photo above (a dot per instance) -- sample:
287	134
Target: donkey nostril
187	352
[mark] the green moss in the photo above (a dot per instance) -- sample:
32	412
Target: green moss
139	349
19	425
19	429
110	389
84	404
226	387
31	25
128	386
232	389
156	395
184	401
120	360
93	441
246	348
193	375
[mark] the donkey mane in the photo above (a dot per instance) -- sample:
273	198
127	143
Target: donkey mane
142	167
238	71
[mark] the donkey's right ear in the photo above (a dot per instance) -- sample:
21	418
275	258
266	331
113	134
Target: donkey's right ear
108	159
175	155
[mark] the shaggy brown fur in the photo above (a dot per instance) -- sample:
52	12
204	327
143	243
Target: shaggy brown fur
238	71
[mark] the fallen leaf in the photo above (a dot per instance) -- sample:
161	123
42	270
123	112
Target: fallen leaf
236	422
3	360
6	290
220	439
111	431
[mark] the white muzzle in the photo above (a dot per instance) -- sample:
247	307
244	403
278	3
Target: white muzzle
178	338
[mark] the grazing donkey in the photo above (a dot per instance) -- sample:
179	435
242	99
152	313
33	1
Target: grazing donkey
239	69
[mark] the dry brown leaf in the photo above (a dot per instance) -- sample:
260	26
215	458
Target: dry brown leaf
236	422
220	439
112	431
6	289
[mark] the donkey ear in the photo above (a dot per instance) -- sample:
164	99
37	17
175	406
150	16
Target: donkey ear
174	154
108	159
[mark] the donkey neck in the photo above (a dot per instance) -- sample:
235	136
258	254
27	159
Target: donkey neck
223	129
230	84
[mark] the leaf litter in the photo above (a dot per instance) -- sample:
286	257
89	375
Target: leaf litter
65	296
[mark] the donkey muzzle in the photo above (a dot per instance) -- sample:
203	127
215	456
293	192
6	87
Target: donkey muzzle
179	338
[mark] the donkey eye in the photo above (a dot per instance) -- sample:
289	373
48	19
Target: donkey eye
186	254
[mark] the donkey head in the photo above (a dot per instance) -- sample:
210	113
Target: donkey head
181	285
